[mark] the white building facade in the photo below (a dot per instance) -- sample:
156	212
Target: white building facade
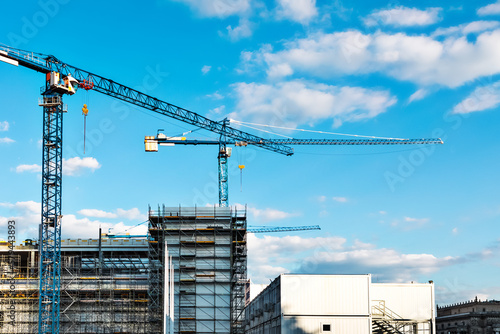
347	304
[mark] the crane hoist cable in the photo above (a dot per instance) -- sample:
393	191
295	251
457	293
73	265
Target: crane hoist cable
241	165
262	130
246	124
85	112
86	85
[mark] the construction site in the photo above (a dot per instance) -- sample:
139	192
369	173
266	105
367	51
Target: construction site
121	285
188	274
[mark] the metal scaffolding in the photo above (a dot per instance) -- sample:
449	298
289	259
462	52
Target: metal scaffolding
208	249
104	287
117	285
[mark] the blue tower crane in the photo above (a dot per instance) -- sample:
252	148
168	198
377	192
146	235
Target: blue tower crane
250	229
152	143
64	79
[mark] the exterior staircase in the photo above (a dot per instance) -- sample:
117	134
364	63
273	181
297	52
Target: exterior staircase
386	321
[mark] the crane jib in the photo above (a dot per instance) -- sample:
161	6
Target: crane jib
44	64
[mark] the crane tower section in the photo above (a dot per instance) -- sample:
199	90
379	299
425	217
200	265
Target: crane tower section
50	227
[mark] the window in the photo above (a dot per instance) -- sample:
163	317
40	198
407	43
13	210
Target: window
327	328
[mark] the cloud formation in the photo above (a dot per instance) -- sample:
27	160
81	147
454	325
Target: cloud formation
265	215
4	126
332	255
420	59
73	227
27	216
29	168
242	30
132	214
75	166
6	140
301	11
217	8
298	102
482	98
492	9
467	29
404	17
205	69
418	95
268	214
71	167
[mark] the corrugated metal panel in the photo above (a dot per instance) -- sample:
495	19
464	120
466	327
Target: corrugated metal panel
410	301
325	295
314	325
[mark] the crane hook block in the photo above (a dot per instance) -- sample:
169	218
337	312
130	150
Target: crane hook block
241	166
86	84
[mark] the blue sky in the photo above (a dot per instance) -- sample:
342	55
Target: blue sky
390	69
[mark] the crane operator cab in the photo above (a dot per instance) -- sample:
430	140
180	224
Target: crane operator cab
68	84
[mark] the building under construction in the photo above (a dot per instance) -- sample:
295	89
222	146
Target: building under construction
118	284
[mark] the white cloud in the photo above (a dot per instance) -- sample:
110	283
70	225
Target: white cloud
264	215
410	223
4	126
29	168
419	59
132	214
271	255
23	207
416	220
75	166
322	198
404	17
289	103
340	199
218	110
27	216
454	231
6	140
386	264
279	71
457	290
205	69
483	98
268	214
243	30
301	11
466	29
218	8
97	213
418	95
73	227
71	167
492	9
215	96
